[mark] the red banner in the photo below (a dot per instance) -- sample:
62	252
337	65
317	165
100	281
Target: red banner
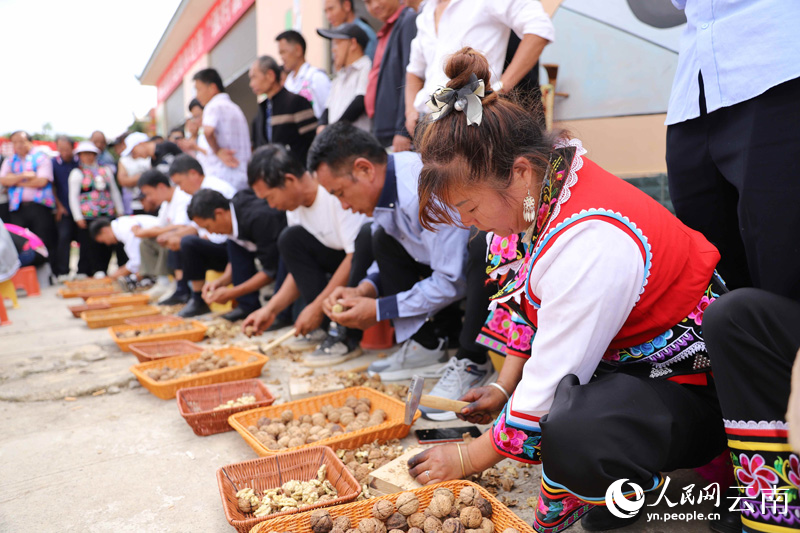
215	24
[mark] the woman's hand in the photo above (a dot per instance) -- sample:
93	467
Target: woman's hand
440	463
485	402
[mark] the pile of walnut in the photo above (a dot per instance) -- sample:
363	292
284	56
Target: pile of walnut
470	513
174	328
360	379
244	399
362	461
289	432
289	496
206	362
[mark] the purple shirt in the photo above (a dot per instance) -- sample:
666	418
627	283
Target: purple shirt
36	162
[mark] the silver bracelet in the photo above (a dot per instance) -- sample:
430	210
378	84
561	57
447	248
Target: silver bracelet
500	388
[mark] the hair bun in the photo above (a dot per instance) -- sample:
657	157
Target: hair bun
461	65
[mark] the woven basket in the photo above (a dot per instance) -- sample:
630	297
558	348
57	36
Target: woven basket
166	390
196	334
89	293
502	517
78	309
89	283
196	404
272	472
120	300
104	318
392	428
152	319
150	351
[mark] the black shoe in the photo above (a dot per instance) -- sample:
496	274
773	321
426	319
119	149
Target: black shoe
236	314
601	519
729	521
195	307
279	324
175	298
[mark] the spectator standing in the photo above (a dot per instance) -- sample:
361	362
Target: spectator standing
444	27
63	164
29	178
340	12
128	172
384	99
346	100
283	117
226	137
309	82
93	194
104	158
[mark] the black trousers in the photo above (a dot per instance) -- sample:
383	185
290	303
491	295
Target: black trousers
752	338
94	256
41	221
400	272
311	264
733	176
67	232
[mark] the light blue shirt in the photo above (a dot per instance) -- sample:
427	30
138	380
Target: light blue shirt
742	47
445	250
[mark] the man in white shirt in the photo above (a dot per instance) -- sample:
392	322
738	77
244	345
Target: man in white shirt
111	232
445	26
309	82
318	243
226	134
352	66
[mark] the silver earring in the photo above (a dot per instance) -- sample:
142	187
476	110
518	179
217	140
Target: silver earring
529	208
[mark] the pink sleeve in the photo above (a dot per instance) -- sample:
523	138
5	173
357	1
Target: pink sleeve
45	169
5	169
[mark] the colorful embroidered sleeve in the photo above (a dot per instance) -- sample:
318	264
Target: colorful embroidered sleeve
517	440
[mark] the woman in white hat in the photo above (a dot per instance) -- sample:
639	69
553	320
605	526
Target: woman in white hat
93	193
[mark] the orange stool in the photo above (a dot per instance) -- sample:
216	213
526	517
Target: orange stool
4	321
378	337
7	290
26	279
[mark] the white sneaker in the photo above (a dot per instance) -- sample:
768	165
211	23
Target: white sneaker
158	290
305	342
99	274
412	358
458	376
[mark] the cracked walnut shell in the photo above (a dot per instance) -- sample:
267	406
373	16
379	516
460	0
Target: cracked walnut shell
383	509
471	517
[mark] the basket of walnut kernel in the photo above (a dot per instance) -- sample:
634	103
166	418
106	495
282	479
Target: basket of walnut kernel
206	409
343	419
285	484
448	507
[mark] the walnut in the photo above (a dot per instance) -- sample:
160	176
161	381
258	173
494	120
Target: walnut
407	503
416	520
337	530
325	409
415	530
452	525
318	419
346	418
355	426
382	509
263	421
274	429
396	531
510	530
362	473
245	505
445	492
361	408
471	517
334	415
306	419
365	401
342	522
455	512
397	521
287	416
484	506
351	402
362	417
432	525
440	506
371	525
284	441
321	521
352	530
295	442
487	526
467	495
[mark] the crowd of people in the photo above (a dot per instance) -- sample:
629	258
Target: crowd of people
414	187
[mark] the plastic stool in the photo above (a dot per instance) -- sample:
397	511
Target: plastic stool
26	279
378	337
7	290
212	275
4	321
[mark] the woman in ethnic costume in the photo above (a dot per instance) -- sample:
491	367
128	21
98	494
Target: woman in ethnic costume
600	309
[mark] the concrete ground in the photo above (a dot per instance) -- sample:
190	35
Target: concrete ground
116	458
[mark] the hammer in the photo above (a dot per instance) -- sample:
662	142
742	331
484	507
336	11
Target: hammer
415	398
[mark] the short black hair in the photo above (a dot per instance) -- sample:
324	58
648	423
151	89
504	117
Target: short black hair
97	226
267	63
176	129
65	138
270	164
294	37
195	103
152	178
25	133
185	163
209	76
340	144
157	138
205	202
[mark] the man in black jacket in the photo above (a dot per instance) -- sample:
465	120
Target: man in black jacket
252	227
283	117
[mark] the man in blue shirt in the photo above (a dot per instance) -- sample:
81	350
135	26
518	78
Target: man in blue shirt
733	137
419	277
64	163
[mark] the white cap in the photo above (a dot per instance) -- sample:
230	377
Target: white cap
134	139
86	146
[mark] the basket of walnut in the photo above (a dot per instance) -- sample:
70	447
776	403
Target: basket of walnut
206	409
285	484
124	336
164	377
150	351
341	419
448	507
